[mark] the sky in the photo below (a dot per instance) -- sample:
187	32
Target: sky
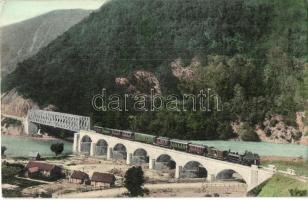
13	11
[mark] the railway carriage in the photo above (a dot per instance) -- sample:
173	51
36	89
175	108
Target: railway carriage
107	131
103	130
149	139
162	141
116	133
127	135
197	149
179	145
98	129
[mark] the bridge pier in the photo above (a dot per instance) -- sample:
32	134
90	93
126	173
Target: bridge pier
211	177
151	163
178	171
129	158
109	153
30	127
92	149
253	177
76	142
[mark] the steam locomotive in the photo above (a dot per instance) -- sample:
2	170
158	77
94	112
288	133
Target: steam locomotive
248	158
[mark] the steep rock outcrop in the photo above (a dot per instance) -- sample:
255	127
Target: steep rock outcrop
140	81
277	131
187	73
14	104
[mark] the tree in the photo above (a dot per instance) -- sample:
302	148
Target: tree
298	193
247	133
57	148
225	131
134	181
3	149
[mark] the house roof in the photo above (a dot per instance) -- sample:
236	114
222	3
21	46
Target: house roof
34	154
79	175
33	169
103	177
41	166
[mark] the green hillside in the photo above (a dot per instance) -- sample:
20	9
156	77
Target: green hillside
279	186
304	87
251	55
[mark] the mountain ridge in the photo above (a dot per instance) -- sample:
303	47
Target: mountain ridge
239	55
23	39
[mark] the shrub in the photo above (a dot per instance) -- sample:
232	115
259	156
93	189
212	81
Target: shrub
11	170
247	133
298	193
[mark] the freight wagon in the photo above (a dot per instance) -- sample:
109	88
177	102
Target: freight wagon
216	153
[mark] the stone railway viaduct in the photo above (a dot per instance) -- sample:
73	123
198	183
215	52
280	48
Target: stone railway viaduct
253	175
87	141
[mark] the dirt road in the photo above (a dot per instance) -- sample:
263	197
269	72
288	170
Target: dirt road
167	189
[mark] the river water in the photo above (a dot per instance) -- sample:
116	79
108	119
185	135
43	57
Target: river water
21	146
262	148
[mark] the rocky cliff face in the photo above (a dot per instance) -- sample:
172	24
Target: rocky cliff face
186	73
140	82
22	40
14	104
277	131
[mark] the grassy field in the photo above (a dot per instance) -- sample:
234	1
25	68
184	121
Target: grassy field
301	168
279	186
9	173
19	182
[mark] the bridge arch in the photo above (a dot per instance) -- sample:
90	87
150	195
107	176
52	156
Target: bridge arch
140	156
231	174
119	151
165	161
85	144
101	147
194	169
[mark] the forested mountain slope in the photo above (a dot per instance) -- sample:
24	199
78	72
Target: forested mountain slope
24	39
251	53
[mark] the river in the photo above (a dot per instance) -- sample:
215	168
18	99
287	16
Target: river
262	148
21	146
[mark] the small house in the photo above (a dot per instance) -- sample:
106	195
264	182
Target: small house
48	170
34	156
102	179
79	177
